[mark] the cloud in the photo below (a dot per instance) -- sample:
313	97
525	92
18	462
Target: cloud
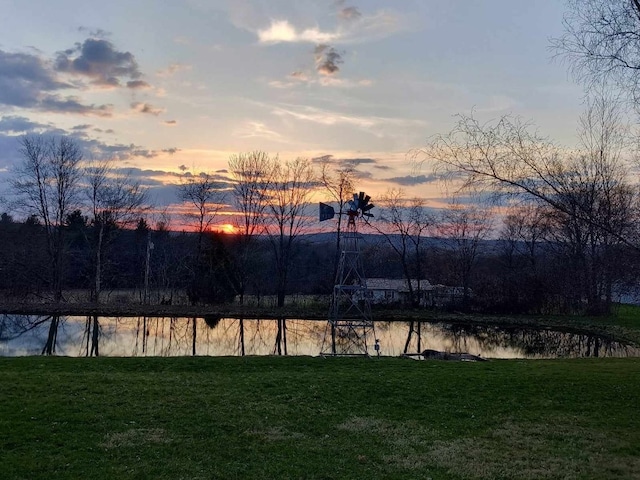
327	59
171	150
95	33
172	69
354	162
354	27
283	31
137	84
146	108
349	13
411	180
171	123
97	59
57	104
23	79
31	81
19	125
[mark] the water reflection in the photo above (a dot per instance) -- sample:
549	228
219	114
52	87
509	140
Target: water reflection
157	336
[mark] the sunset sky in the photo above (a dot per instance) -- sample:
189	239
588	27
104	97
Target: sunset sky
159	85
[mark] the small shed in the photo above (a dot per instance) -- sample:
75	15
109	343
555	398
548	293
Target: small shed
385	291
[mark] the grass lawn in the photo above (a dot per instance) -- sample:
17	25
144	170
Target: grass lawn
316	418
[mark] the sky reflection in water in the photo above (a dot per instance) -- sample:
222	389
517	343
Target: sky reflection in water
138	336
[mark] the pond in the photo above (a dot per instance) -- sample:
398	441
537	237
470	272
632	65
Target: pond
22	335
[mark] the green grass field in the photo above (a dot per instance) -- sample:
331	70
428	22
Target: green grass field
317	418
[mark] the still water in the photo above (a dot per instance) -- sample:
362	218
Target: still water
22	335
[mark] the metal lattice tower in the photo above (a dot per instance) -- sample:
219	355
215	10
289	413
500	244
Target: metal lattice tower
350	329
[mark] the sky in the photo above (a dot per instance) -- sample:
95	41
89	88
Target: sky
164	86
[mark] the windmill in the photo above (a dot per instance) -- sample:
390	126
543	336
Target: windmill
350	323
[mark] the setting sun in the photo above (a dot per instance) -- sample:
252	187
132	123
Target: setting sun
225	228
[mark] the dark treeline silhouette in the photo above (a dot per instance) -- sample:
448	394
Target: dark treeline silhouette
507	275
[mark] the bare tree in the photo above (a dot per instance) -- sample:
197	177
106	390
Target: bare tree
464	229
46	183
601	43
603	202
506	159
204	194
115	200
404	225
204	197
289	195
251	174
338	183
524	236
587	189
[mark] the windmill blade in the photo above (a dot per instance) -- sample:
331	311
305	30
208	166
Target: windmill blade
361	200
366	208
366	200
327	212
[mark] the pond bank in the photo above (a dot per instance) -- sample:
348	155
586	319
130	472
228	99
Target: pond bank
623	325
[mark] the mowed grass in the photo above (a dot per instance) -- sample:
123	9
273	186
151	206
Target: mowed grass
318	418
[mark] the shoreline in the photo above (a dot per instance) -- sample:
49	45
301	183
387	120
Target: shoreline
128	310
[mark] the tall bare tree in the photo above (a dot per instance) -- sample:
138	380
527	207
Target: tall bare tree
47	185
338	183
204	196
251	174
289	195
115	200
404	225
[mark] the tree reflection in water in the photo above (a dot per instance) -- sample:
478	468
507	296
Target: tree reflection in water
92	336
535	342
157	336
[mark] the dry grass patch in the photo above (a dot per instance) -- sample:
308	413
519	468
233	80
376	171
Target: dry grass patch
275	434
528	452
135	437
552	450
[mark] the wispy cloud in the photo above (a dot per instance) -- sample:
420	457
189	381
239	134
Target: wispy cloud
326	117
299	78
254	129
73	104
173	68
323	117
349	13
147	108
410	180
